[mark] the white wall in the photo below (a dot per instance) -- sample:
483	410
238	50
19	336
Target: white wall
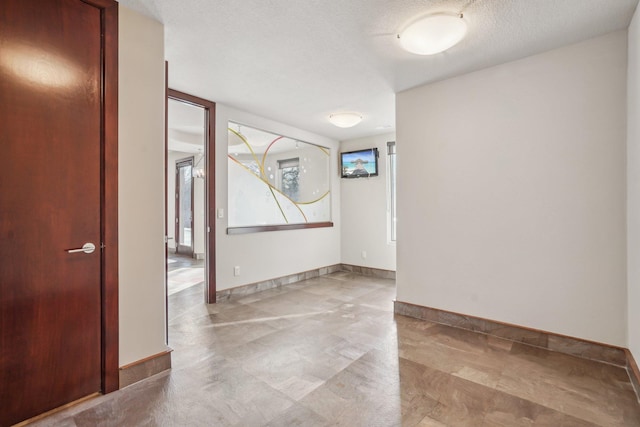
141	186
633	186
268	255
512	189
365	212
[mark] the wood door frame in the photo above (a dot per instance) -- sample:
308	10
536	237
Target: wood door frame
210	187
109	198
179	163
166	202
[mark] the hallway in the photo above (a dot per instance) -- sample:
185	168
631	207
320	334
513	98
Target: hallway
329	351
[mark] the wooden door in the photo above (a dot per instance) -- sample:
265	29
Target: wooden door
52	137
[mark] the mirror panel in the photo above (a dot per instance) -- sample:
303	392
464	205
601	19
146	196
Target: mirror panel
276	180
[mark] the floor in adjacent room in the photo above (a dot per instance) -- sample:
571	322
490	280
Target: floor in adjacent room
329	351
183	271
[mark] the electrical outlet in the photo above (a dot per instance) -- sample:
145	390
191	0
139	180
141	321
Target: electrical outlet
236	270
364	254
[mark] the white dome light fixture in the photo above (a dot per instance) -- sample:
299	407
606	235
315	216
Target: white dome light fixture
345	120
433	34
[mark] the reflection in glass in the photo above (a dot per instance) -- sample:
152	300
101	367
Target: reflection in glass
289	172
276	180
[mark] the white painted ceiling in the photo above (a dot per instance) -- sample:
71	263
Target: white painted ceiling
297	61
186	127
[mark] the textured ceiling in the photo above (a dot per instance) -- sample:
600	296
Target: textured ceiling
297	61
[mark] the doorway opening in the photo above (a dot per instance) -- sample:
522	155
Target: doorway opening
190	194
186	228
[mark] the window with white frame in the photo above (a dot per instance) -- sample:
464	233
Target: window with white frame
289	175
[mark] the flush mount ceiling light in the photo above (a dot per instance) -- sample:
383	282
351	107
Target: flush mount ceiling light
433	34
345	120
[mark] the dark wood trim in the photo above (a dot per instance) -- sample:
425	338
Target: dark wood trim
210	187
579	347
103	5
166	199
262	228
185	97
146	359
110	325
144	368
634	372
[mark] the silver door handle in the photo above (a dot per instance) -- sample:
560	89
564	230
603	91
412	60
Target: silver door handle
87	248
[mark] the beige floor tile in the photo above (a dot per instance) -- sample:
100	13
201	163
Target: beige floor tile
330	352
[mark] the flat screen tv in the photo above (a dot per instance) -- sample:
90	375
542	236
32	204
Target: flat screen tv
359	164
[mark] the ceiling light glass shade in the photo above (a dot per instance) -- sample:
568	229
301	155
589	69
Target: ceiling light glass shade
345	120
433	34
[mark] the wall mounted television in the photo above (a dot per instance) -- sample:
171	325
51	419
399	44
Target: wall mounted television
359	164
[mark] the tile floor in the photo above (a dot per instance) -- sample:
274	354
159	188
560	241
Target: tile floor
330	352
183	272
